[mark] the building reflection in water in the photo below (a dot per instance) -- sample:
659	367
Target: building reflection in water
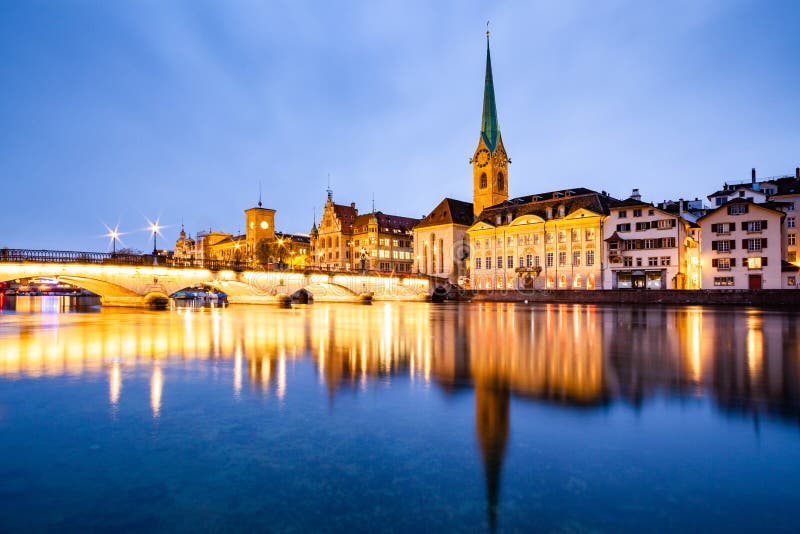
574	355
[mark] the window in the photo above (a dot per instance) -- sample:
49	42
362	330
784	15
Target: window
791	256
510	241
737	209
488	262
651	212
637	212
576	258
549	259
753	226
652	261
791	239
477	243
753	245
790	222
562	259
521	261
754	263
666	261
548	238
721	228
721	201
649	243
499	262
528	260
536	261
589	258
510	262
623	214
724	264
638	262
791	281
535	239
721	246
642	226
626	227
663	224
790	207
590	234
668	242
483	181
562	236
576	235
501	182
627	261
723	280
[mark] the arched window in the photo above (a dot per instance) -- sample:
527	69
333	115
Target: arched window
483	181
501	181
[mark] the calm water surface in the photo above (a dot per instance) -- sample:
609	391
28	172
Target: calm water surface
404	417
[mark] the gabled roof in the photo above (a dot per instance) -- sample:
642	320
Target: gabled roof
449	211
386	221
345	214
630	202
615	237
788	185
787	267
769	206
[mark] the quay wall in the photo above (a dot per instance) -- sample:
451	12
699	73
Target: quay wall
734	297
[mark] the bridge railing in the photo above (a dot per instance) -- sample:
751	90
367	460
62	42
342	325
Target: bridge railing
9	255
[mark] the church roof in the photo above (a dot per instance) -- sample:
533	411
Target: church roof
490	131
449	211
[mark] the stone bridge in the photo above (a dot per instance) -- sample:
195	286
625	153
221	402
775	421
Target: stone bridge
143	284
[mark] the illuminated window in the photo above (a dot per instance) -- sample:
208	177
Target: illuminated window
549	259
576	235
791	281
510	262
562	259
753	263
576	258
477	264
590	258
791	239
590	234
562	281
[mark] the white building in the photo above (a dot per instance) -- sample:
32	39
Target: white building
441	246
650	248
742	246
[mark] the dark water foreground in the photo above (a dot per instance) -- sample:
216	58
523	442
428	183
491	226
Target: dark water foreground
402	417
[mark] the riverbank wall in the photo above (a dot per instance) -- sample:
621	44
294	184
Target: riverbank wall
783	298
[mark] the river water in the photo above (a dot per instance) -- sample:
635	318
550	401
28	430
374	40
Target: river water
399	416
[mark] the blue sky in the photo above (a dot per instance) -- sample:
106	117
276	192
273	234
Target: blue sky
114	112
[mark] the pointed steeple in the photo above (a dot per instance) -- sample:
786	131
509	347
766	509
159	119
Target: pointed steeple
489	128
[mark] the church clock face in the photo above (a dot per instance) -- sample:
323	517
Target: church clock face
482	157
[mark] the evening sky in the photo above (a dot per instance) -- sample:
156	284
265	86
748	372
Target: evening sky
114	112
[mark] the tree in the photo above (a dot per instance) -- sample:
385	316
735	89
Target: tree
266	250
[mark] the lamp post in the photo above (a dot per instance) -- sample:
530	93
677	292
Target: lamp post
114	236
154	228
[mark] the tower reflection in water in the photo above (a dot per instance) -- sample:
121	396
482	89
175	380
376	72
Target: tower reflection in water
746	361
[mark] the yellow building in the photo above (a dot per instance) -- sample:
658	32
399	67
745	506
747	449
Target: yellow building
259	245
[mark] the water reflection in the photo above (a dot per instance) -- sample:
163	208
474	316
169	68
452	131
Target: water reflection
571	355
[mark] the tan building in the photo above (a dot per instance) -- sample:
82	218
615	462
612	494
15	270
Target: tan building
441	245
741	246
373	241
650	248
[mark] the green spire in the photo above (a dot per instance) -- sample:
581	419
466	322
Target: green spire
489	129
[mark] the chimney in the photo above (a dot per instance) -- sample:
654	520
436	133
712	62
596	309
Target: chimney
635	194
753	175
680	207
797	173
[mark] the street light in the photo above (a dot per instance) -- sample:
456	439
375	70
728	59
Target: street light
154	228
114	235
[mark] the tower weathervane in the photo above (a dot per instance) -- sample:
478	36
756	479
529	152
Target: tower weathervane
259	193
487	29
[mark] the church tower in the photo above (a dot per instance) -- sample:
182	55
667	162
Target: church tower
490	162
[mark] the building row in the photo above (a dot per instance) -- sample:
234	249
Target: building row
577	238
582	239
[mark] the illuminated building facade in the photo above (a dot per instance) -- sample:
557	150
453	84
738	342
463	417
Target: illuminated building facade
291	249
441	245
372	241
742	246
553	240
650	248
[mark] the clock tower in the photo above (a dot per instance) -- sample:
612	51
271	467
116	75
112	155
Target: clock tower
490	161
